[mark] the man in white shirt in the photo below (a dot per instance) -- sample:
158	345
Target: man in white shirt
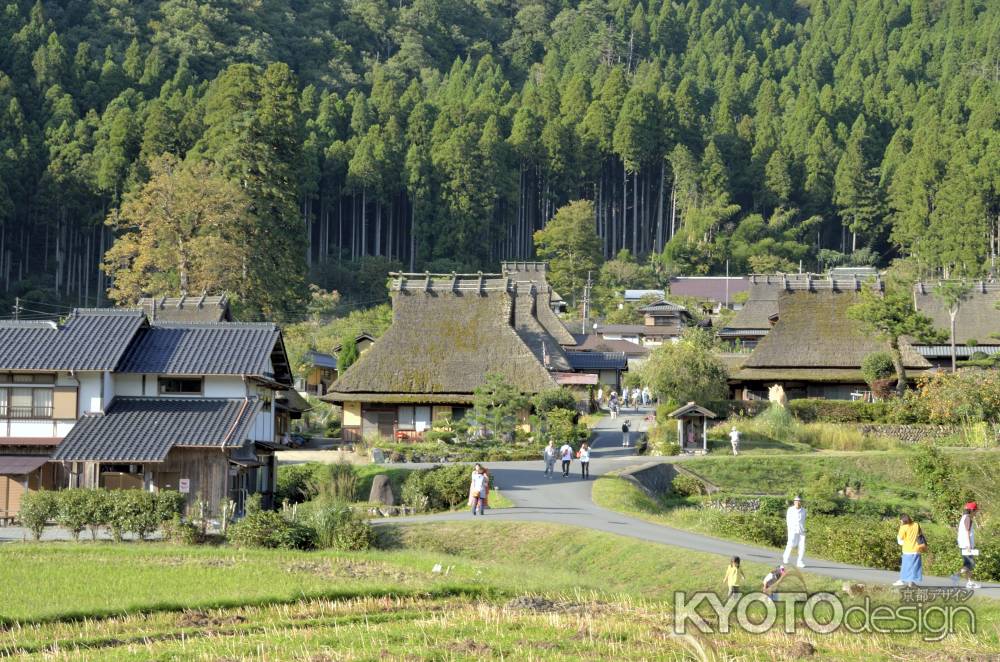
566	453
795	519
734	439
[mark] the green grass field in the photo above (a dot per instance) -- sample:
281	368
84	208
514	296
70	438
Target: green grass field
592	596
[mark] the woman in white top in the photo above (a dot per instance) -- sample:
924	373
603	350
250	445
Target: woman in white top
478	489
584	455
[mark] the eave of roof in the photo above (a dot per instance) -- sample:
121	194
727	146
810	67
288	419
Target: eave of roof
400	398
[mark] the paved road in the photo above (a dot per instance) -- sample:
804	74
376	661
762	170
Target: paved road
568	501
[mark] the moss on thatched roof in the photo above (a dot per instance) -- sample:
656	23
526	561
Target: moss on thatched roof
761	303
443	340
528	307
978	317
814	331
537	273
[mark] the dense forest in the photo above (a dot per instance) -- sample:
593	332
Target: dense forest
339	138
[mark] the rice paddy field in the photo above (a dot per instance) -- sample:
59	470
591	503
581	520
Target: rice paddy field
504	591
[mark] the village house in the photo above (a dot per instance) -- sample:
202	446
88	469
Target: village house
203	308
977	322
321	369
813	349
663	321
109	398
713	292
447	333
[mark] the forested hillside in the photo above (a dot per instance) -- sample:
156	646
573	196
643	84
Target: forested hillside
340	137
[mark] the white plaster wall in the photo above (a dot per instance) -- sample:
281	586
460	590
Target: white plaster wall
109	389
41	428
128	384
224	387
90	389
262	428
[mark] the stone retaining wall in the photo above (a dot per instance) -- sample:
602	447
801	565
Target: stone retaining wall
656	478
909	434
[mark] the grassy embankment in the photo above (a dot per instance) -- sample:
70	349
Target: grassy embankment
606	597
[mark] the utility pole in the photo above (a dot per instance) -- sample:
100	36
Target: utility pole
17	308
586	302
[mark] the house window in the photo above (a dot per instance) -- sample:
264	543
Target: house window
422	418
406	418
458	413
180	385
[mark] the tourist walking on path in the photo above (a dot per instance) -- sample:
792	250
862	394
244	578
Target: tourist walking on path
795	520
584	455
600	398
911	539
625	433
549	454
734	575
967	545
646	396
734	439
566	453
613	405
479	489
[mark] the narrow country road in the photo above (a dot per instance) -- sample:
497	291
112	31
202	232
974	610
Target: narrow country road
568	501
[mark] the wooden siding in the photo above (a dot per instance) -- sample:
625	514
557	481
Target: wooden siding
206	469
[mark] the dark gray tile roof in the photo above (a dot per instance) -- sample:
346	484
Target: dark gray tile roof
224	348
597	360
145	429
90	339
321	360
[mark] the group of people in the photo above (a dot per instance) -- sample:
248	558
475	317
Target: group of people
634	398
910	537
566	454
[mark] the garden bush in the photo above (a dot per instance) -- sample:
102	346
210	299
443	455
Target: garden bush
438	488
815	410
687	485
139	512
182	532
74	510
296	482
337	525
556	398
269	529
37	509
98	505
877	366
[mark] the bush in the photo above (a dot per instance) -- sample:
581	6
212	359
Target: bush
98	505
181	532
37	508
74	510
877	366
556	398
269	529
337	525
730	408
132	511
438	488
857	540
815	410
687	485
296	482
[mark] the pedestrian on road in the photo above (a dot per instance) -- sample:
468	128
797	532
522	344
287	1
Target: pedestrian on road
734	575
911	539
635	398
600	397
478	489
734	439
625	433
967	545
566	453
795	519
549	454
646	396
584	455
613	405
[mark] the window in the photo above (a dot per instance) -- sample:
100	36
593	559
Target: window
180	385
458	413
406	418
41	403
422	418
20	403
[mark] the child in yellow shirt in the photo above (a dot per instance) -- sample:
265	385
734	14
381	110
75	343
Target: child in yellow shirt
734	576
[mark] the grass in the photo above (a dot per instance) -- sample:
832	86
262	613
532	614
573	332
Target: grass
607	597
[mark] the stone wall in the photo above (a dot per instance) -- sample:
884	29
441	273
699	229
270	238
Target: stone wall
655	478
909	434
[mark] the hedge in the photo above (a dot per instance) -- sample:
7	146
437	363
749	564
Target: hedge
815	410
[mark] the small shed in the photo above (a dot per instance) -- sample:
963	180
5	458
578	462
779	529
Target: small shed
692	427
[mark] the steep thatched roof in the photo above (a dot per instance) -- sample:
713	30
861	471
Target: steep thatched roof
760	305
537	273
447	333
978	317
529	306
812	335
201	308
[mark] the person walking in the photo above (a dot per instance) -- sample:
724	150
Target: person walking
625	433
584	456
967	545
635	398
600	397
613	405
734	575
478	489
795	521
911	539
734	439
566	453
647	398
549	454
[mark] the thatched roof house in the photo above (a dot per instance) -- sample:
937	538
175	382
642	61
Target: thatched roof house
976	324
201	308
537	273
814	349
447	333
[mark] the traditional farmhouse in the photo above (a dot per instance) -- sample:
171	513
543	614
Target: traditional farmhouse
977	322
537	273
447	333
320	372
109	398
713	292
813	350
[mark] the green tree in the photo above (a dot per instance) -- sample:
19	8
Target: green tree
953	294
891	316
348	354
571	246
497	405
687	370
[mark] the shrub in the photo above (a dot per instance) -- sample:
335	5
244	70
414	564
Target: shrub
813	410
687	485
37	508
857	540
295	482
170	503
74	510
556	398
133	511
181	532
877	366
438	488
98	506
337	525
341	482
269	529
729	408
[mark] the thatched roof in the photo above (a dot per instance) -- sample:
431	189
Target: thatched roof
447	333
528	309
978	317
201	308
537	273
760	305
813	335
